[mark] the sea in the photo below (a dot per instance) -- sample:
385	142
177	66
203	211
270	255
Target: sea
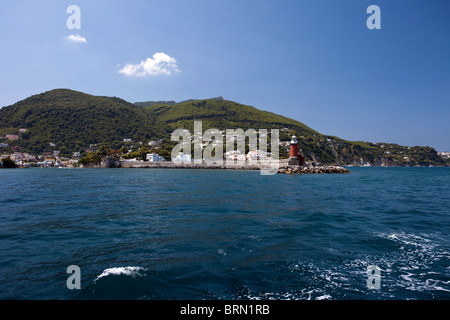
174	234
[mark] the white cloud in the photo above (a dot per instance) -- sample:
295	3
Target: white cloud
76	38
159	64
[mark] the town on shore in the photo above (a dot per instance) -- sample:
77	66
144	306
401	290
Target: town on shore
123	158
130	156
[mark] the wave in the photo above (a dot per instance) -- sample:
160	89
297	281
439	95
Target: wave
420	264
118	283
413	266
126	271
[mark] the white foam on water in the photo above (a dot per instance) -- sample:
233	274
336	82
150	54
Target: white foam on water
127	271
221	252
246	293
415	264
418	240
255	237
414	261
324	297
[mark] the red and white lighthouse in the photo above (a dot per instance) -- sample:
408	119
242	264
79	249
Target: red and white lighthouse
295	158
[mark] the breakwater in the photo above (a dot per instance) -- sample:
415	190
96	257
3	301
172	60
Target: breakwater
174	165
311	169
283	168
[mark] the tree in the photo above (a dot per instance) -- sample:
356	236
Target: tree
133	155
164	153
103	150
123	150
91	157
143	153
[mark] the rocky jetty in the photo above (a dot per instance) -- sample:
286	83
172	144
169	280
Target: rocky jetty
283	168
174	165
310	169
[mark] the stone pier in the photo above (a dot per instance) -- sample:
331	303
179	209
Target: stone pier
310	169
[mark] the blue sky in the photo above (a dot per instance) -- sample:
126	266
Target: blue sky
314	61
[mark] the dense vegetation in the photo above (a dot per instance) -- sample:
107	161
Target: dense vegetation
152	103
71	121
223	114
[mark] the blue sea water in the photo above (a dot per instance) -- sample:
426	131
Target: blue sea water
224	234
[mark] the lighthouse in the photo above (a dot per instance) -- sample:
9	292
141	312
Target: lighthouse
295	158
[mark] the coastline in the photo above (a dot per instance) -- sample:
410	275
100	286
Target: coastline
283	166
173	165
312	170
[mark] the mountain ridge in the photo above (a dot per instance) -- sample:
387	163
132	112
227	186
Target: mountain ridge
69	121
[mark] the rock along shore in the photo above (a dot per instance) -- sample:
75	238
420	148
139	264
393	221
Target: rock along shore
311	169
172	165
284	168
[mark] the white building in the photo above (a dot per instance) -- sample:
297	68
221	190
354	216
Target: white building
181	157
256	155
234	155
154	143
154	157
18	157
12	136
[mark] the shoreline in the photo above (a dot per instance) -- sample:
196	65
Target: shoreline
312	170
283	167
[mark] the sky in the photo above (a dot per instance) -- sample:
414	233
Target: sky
314	61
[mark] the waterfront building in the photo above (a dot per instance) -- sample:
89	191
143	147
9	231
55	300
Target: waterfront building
154	157
181	157
256	155
234	155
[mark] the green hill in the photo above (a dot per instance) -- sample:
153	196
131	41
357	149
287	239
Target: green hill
222	115
70	121
152	103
